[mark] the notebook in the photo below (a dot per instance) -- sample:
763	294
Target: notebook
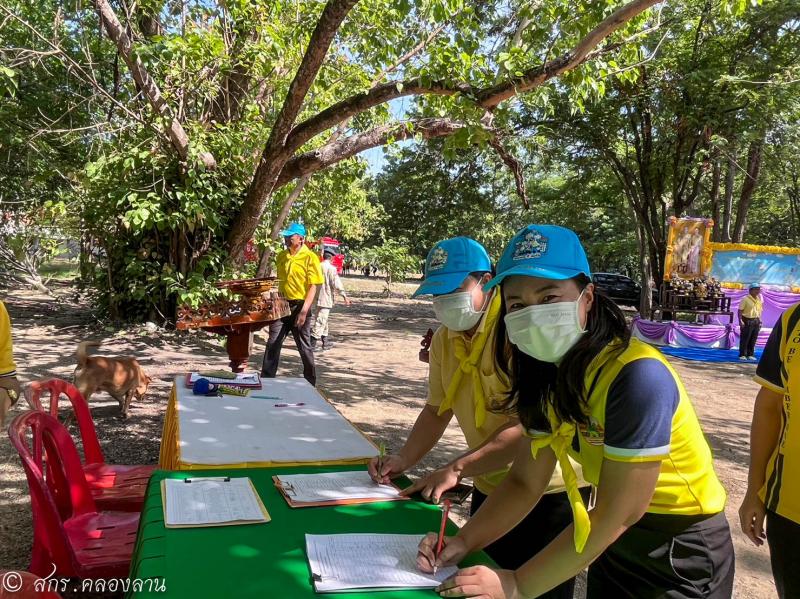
368	561
333	488
251	380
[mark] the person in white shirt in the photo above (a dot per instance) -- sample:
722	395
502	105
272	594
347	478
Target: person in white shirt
330	285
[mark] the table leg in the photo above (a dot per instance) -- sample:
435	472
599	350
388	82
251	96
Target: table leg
239	343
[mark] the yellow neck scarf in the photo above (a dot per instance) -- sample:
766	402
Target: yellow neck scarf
559	440
468	364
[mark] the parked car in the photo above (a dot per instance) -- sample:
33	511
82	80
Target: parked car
619	288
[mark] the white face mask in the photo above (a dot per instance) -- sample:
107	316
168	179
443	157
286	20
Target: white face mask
456	311
547	331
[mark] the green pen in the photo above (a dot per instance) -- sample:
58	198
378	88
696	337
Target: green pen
381	455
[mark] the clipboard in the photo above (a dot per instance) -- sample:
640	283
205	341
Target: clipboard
286	491
262	509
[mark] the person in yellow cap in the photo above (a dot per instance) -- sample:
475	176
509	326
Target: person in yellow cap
9	385
464	382
583	388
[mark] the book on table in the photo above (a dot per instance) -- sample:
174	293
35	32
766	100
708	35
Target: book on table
211	501
345	562
334	488
248	380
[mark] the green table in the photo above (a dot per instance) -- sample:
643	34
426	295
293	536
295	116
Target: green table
264	560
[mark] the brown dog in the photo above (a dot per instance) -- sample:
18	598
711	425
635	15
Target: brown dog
122	378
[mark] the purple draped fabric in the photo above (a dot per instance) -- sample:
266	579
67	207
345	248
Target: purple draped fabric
775	304
684	334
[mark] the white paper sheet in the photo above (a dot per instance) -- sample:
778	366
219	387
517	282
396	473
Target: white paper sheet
211	501
233	430
335	486
368	561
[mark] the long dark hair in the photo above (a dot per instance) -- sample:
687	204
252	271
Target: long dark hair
535	384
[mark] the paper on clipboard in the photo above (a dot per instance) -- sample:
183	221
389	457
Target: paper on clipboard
368	561
334	488
212	501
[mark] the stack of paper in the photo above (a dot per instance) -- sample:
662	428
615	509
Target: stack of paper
213	501
251	380
333	488
368	561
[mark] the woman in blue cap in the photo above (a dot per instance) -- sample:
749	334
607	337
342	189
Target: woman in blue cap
583	388
463	383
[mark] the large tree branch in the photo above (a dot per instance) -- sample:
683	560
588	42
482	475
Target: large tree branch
487	97
177	135
329	154
282	143
275	153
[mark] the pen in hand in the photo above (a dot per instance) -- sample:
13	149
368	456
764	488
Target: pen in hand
445	514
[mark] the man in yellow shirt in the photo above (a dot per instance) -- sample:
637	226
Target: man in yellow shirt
773	482
9	386
750	322
463	382
299	278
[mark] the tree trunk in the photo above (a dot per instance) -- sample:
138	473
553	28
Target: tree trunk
748	187
714	196
645	272
727	206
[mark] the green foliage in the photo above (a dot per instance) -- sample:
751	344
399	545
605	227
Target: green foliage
391	258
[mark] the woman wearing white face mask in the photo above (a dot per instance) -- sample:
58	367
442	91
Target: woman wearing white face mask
583	388
464	382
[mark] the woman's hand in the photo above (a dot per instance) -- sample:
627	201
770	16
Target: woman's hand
382	470
437	482
454	549
481	582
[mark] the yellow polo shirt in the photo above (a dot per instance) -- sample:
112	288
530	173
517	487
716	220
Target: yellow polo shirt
443	365
751	307
298	273
779	371
7	365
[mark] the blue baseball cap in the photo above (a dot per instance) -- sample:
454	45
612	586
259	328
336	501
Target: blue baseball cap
294	229
448	264
546	251
755	285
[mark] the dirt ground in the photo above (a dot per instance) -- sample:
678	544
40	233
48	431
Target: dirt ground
372	375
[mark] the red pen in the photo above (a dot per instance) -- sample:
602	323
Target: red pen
445	513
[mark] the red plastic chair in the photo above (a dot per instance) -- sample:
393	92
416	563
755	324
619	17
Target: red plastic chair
78	539
113	486
16	584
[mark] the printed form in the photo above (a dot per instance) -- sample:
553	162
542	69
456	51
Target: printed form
368	561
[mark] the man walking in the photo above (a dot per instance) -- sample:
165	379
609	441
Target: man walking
299	276
750	322
331	283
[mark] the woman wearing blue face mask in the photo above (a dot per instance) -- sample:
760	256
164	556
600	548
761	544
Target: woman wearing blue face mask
464	383
583	388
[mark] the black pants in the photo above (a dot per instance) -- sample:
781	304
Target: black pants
664	556
749	336
278	331
783	537
545	522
